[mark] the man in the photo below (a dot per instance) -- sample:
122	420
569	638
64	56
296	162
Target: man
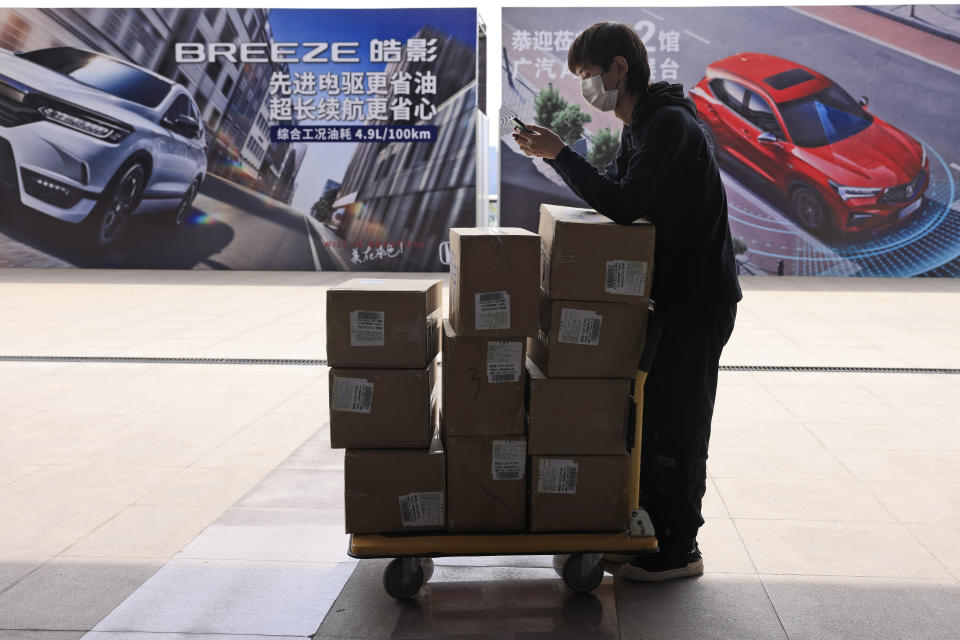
663	172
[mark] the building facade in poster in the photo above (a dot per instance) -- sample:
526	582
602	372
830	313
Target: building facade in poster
831	138
287	113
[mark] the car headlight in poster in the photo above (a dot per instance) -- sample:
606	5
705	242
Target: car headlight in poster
258	138
831	137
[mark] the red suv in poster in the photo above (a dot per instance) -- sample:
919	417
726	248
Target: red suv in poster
840	167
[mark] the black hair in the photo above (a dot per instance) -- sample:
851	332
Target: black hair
600	43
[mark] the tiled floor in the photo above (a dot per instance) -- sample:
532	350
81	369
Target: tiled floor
174	501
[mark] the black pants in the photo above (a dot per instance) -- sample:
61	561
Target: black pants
679	396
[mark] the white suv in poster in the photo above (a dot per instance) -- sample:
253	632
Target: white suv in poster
93	140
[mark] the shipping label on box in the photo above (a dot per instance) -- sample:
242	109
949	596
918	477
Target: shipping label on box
509	459
492	310
425	509
351	394
504	361
626	277
579	326
366	328
557	476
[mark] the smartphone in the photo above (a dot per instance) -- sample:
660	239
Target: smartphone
518	125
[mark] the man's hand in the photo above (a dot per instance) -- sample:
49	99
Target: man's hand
543	143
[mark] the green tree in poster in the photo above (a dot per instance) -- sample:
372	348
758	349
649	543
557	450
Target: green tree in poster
568	124
555	113
322	209
603	148
739	246
547	104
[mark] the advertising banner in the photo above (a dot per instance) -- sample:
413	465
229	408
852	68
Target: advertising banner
236	138
833	126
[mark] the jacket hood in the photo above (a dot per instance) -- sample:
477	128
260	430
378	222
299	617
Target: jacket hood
663	94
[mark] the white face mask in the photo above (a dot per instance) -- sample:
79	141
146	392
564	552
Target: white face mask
594	93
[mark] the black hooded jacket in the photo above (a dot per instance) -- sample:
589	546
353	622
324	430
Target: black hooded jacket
664	172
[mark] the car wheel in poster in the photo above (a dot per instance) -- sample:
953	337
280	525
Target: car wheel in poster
179	215
112	214
809	209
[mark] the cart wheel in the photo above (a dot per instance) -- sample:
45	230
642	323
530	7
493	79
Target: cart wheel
559	562
403	582
583	572
427	565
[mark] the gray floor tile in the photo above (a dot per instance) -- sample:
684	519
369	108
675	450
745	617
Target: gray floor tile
315	453
68	595
833	394
289	426
926	502
757	462
787	499
9	634
712	607
14	567
523	561
129	635
942	541
867	549
891	437
472	603
865	608
89	483
290	535
723	551
145	531
778	435
873	412
205	487
902	466
298	488
751	412
930	414
45	529
713	506
267	598
10	473
243	451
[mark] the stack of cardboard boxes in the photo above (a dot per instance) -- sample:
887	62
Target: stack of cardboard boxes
595	289
383	337
544	335
493	310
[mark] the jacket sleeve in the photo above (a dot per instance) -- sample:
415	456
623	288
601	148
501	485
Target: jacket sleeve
615	169
629	198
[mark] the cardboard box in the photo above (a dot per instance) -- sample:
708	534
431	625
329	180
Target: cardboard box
579	339
581	416
494	276
395	490
587	256
483	384
384	323
487	483
579	493
383	408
